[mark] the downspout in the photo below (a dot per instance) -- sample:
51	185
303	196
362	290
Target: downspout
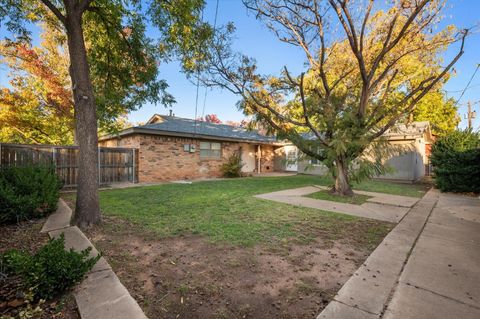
259	159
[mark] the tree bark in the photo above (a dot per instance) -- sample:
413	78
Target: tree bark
87	210
342	186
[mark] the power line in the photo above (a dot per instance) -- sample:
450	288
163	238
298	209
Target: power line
469	82
458	91
214	29
196	96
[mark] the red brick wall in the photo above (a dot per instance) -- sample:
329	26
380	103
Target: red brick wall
162	158
267	158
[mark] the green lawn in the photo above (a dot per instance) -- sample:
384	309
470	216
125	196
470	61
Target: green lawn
356	199
413	190
225	210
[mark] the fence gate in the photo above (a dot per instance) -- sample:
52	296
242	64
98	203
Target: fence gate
116	165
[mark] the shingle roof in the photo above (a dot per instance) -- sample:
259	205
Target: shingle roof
189	126
399	129
414	128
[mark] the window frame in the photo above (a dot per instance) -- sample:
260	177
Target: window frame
211	150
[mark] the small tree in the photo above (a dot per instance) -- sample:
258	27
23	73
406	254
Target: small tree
233	166
38	105
368	65
210	118
439	110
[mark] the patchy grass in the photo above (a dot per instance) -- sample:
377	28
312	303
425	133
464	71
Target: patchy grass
356	199
379	186
212	250
190	277
226	211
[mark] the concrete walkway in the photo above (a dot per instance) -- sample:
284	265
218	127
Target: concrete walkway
385	207
101	295
427	267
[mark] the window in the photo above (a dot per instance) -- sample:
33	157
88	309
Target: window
315	161
210	150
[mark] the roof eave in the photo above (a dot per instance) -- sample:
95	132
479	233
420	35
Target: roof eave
138	130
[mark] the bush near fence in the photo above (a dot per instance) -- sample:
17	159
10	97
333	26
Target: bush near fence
456	162
27	192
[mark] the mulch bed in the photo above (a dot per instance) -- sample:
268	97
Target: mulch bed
26	236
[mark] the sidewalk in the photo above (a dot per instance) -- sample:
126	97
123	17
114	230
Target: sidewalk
100	295
390	208
427	267
442	276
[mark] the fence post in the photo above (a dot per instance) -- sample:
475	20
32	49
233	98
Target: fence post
54	157
133	166
99	173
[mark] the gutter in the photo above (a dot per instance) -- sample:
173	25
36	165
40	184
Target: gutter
137	130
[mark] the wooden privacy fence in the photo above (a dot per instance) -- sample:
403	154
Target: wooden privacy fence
116	165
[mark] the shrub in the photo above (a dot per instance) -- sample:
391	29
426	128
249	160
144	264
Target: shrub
233	166
27	192
52	270
456	161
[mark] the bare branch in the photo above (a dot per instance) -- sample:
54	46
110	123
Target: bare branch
55	11
422	89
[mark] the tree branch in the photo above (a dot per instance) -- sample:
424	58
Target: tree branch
55	11
423	90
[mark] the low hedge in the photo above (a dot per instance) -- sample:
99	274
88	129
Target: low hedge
51	271
456	162
27	192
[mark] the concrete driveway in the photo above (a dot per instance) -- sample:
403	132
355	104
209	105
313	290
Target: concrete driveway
427	267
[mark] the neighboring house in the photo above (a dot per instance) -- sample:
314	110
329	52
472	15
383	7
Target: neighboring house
173	148
417	139
412	164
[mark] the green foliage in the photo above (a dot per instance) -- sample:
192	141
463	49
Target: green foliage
439	110
27	192
456	161
123	60
52	270
233	167
37	107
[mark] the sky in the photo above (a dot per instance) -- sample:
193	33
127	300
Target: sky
253	39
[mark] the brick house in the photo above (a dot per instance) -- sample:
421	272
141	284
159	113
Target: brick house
173	148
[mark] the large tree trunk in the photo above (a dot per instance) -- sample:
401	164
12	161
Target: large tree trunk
87	210
342	186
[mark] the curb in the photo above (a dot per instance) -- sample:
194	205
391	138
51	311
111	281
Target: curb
100	295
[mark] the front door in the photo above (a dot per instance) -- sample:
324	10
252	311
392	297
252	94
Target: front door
248	153
291	157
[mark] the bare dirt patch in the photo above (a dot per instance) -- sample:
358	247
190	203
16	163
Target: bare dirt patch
189	277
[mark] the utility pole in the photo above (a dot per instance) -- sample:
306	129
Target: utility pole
470	115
